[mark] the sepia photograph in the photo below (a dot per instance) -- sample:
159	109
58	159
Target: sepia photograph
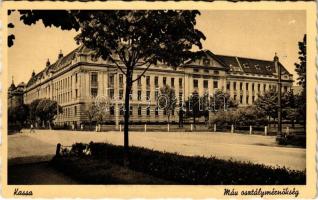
157	97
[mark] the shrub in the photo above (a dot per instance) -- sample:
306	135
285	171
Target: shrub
195	170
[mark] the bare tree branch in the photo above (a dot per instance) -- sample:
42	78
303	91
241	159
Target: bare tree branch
118	66
142	74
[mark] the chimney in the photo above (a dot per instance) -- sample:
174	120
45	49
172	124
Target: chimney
48	63
33	73
60	54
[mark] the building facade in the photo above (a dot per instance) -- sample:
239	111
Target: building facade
78	79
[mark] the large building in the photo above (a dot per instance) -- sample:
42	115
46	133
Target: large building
77	78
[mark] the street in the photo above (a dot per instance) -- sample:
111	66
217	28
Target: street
26	146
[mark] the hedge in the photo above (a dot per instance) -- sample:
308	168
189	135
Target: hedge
190	169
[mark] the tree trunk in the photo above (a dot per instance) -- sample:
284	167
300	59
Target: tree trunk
127	110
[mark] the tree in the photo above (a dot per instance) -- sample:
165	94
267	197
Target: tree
193	107
32	110
301	66
301	71
44	110
221	101
91	112
267	103
17	117
138	39
167	100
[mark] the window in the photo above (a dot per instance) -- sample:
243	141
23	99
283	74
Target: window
76	78
172	82
75	110
195	83
234	85
195	70
121	110
76	93
139	82
253	87
164	80
180	96
148	80
121	94
215	84
130	110
148	111
206	61
94	79
112	110
245	65
206	71
111	93
121	80
264	87
241	99
156	81
172	112
111	80
246	99
253	99
131	94
156	112
257	67
246	86
94	92
180	82
139	110
139	95
205	84
216	72
148	95
258	87
227	86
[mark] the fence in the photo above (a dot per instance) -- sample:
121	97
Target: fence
258	130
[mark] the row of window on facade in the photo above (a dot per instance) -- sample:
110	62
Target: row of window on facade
94	81
206	71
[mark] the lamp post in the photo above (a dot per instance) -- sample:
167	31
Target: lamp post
279	102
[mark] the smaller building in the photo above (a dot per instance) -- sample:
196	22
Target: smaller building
15	94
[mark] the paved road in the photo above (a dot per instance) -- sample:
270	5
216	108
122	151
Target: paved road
253	148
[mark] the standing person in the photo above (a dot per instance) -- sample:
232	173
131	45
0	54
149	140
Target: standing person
32	129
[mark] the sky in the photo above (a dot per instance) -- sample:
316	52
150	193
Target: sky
252	34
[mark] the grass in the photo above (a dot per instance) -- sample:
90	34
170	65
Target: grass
172	168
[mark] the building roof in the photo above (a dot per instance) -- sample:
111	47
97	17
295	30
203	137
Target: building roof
251	65
60	63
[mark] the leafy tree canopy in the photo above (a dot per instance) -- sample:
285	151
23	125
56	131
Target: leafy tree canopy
301	66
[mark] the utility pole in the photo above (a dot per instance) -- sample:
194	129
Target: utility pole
279	103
